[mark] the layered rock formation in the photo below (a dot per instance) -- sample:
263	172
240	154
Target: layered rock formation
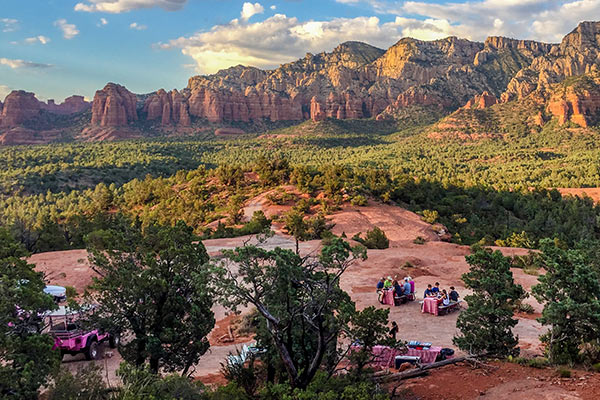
481	101
71	105
114	106
19	107
171	108
577	102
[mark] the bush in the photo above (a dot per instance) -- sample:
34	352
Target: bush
419	240
376	239
563	372
596	367
430	216
359	200
525	308
71	292
280	197
538	362
86	384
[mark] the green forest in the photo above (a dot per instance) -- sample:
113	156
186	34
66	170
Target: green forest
489	190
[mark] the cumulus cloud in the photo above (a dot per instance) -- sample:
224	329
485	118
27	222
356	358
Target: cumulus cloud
9	24
544	20
20	64
120	6
69	31
279	39
137	27
103	22
38	39
249	9
273	7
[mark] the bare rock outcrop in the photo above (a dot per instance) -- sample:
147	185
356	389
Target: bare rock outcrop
578	102
114	106
19	107
71	105
481	101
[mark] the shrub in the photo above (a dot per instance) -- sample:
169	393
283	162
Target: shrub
280	197
86	384
359	200
430	216
563	372
525	308
419	240
71	292
596	367
376	239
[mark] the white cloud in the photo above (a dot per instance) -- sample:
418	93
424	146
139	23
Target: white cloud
544	20
249	9
19	64
279	39
119	6
103	22
9	24
69	30
38	39
137	27
4	91
273	7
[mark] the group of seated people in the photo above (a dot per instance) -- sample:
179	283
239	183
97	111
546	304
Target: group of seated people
443	296
401	287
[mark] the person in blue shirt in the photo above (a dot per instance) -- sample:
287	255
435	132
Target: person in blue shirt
429	292
436	289
407	288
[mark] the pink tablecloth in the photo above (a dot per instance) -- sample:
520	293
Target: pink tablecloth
388	297
383	356
430	305
427	356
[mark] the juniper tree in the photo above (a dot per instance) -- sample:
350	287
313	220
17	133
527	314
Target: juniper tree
26	355
570	293
486	326
303	312
153	283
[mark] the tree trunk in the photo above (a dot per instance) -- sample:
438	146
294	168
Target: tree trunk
422	370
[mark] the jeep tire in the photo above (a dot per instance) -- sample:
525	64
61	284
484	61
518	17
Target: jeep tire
91	351
114	340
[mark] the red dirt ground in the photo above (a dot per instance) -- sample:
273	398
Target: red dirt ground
500	382
593	193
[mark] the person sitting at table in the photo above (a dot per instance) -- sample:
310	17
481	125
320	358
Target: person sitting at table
394	330
436	289
380	290
453	294
398	290
407	287
445	299
428	292
388	283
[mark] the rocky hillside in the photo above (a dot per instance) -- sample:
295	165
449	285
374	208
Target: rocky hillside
357	80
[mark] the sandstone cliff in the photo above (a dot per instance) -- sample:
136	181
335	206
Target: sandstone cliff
19	107
114	106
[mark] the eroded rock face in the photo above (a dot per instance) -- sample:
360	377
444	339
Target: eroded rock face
481	101
578	103
19	106
171	108
114	106
71	105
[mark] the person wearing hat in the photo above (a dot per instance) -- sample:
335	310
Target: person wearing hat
388	283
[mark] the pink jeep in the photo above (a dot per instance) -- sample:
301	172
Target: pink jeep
71	338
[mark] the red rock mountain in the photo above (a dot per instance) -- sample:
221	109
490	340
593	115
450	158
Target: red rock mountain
355	80
71	105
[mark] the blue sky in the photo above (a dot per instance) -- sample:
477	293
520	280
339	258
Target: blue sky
56	48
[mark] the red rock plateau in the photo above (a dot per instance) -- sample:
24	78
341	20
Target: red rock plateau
355	80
